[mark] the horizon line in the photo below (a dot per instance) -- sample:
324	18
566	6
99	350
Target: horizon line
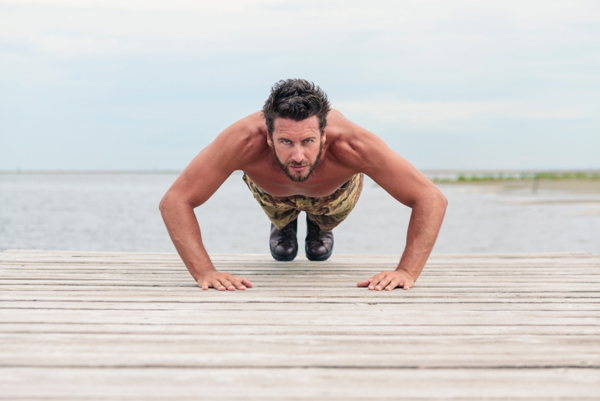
425	171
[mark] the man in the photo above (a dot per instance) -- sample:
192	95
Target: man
298	155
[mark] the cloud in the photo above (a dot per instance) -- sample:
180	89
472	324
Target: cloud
185	69
124	27
439	113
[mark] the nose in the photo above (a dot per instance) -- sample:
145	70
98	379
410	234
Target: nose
298	154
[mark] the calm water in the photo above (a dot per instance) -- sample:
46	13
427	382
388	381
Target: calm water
119	212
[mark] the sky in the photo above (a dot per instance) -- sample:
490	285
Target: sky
145	85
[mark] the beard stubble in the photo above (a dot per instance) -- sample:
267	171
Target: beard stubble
311	169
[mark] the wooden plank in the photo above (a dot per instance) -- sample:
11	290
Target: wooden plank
106	350
115	278
457	305
368	297
364	316
298	384
291	285
17	271
258	329
298	281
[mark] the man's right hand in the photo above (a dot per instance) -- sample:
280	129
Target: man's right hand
223	281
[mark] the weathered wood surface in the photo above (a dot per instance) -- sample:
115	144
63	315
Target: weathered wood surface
92	326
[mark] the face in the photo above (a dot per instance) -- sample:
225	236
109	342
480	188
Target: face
297	146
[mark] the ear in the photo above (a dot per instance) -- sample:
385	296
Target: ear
323	138
269	141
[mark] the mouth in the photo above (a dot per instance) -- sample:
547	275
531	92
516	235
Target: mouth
299	169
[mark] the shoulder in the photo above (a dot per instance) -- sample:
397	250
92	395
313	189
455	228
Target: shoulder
351	144
363	151
242	141
245	132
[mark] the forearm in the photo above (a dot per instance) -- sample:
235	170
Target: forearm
184	231
425	222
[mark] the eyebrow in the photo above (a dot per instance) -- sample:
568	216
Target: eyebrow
303	139
283	134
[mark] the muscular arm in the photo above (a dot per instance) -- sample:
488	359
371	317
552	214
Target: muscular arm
194	186
410	187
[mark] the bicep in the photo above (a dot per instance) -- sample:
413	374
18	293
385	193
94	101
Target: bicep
363	151
396	175
231	150
202	177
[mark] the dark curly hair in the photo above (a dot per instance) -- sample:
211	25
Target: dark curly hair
297	99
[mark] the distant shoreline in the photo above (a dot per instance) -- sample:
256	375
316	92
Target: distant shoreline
501	176
90	171
576	185
450	175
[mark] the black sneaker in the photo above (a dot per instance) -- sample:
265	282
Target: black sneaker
319	243
284	245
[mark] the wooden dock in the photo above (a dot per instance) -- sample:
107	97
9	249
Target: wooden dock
96	326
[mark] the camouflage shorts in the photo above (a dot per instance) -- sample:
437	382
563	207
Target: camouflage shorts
327	212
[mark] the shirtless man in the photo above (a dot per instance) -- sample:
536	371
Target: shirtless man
298	155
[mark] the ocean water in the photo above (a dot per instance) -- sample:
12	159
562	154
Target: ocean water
119	212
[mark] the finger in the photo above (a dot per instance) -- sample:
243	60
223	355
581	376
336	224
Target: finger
238	284
407	285
228	284
383	283
375	280
393	284
204	285
217	284
246	282
363	283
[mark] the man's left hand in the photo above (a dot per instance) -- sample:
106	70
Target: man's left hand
388	280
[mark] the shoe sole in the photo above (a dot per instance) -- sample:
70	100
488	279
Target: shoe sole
280	258
321	258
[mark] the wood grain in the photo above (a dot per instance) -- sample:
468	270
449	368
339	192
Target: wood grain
101	325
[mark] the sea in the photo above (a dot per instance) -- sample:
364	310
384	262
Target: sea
119	212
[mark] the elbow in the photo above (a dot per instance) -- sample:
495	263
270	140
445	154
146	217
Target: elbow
442	202
172	201
165	203
436	200
431	201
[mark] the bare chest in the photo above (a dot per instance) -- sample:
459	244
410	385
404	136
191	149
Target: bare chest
324	181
